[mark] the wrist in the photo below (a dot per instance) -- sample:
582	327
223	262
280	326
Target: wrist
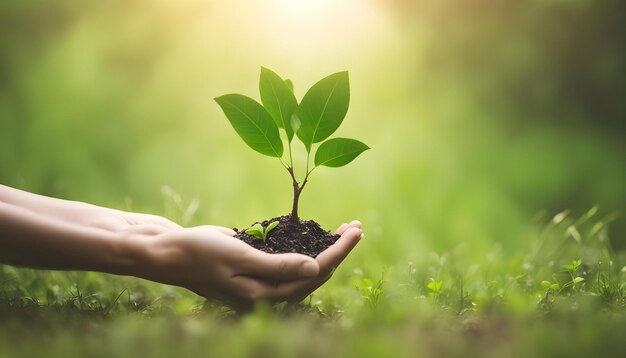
152	257
130	254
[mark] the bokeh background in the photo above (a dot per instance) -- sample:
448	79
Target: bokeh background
481	114
485	117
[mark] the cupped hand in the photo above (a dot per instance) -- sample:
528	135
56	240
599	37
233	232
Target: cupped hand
329	259
210	262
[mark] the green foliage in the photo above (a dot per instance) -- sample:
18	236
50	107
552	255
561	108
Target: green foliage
434	289
323	108
338	152
369	290
253	124
259	232
278	99
315	118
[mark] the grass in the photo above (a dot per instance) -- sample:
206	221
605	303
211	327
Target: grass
565	294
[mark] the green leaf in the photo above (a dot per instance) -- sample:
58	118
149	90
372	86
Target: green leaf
271	226
434	285
338	152
578	280
253	124
577	263
278	99
323	108
289	84
255	232
568	267
295	122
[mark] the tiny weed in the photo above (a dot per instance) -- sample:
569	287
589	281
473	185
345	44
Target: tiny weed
434	289
369	290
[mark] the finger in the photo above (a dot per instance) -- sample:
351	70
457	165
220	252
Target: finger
341	228
239	295
306	290
229	299
290	291
251	289
296	290
332	256
329	259
344	226
279	266
221	229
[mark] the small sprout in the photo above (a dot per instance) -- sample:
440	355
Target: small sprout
573	271
435	289
573	267
371	291
578	280
548	286
261	233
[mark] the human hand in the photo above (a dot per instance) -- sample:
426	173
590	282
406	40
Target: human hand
210	262
43	232
330	258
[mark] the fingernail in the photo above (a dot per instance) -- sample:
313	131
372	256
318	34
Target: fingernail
362	236
309	269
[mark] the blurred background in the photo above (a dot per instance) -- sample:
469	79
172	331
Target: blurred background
482	115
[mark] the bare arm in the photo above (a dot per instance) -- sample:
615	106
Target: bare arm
43	232
65	210
33	240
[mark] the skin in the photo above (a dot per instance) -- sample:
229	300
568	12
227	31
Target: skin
48	233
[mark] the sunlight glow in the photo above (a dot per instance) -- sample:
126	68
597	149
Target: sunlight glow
303	7
309	27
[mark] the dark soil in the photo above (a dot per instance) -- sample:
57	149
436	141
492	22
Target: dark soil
304	237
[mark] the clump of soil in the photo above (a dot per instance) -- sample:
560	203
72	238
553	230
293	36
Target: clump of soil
304	237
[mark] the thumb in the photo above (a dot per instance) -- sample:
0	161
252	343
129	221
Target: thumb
279	266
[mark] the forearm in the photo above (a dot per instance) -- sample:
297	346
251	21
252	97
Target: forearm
33	240
58	209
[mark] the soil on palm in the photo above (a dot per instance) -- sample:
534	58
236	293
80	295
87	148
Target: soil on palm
304	237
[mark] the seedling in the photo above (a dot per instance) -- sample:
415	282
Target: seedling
434	288
315	118
371	291
261	233
573	269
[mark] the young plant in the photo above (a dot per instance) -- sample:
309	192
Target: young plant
573	270
371	291
434	288
261	233
312	121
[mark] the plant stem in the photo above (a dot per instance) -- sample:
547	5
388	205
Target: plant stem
283	163
307	162
290	157
297	190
